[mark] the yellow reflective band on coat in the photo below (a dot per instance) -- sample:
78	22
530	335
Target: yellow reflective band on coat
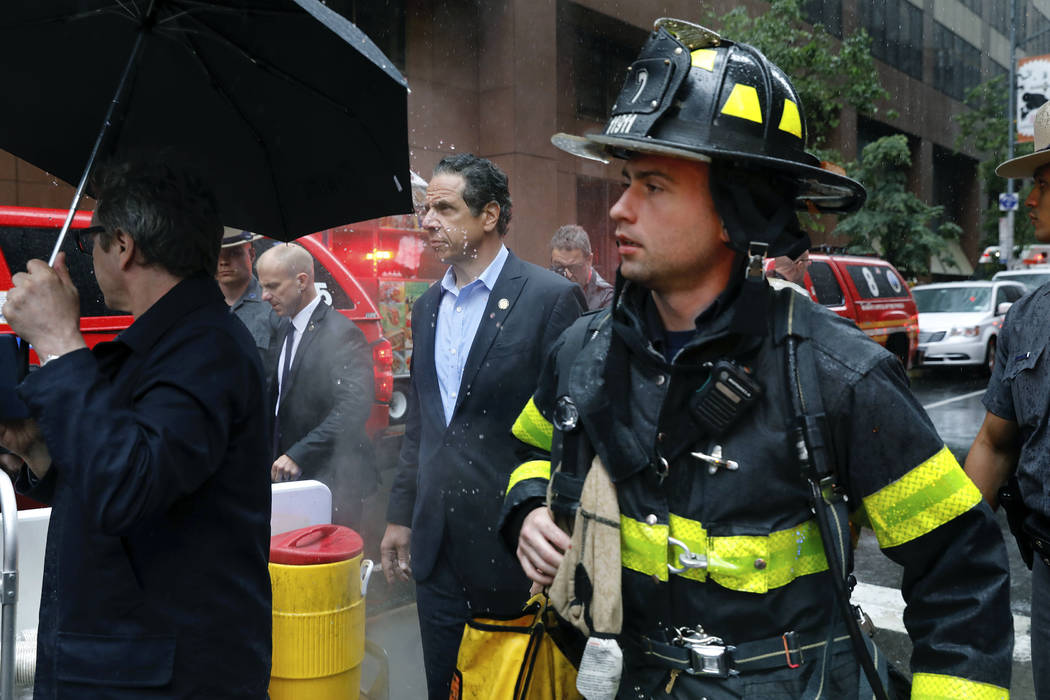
748	563
922	500
536	469
532	428
934	686
743	102
790	121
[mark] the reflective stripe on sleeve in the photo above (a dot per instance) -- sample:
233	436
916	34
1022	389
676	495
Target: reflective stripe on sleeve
532	428
934	686
536	469
922	500
749	563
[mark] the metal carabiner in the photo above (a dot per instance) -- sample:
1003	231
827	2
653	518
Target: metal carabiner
687	558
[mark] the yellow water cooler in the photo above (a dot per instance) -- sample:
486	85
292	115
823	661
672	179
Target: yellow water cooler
318	613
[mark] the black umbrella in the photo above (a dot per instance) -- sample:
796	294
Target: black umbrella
296	118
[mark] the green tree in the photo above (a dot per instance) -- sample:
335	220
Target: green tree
828	74
984	128
894	222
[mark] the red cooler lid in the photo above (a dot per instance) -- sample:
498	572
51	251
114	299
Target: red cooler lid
316	544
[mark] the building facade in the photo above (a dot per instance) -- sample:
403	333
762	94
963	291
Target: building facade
499	77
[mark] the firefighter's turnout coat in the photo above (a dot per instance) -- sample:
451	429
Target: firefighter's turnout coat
766	573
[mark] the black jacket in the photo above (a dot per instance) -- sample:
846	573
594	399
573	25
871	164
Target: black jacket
327	400
767	573
155	572
452	479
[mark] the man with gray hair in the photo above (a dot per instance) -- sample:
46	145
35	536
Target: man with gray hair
323	390
151	451
571	256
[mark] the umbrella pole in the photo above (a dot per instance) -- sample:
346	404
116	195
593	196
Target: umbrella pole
117	97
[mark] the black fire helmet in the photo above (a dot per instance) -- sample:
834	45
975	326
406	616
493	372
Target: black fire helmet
694	95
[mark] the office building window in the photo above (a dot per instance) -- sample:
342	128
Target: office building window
895	27
825	12
973	5
602	48
957	63
1040	33
953	183
999	15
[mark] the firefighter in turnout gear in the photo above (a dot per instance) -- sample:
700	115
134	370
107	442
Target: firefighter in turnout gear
742	426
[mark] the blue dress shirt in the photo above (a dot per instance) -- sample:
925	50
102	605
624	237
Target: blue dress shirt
458	319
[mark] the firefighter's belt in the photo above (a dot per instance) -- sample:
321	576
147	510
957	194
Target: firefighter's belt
749	563
708	656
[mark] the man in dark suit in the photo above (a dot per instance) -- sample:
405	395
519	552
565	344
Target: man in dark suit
151	450
479	338
323	390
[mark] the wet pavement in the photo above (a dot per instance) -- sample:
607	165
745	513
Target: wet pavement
952	398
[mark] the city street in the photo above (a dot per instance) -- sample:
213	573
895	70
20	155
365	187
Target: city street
952	398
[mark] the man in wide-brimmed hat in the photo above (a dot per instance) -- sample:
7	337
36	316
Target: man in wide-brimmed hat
1013	446
243	293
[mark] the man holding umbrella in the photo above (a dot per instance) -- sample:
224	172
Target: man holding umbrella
152	452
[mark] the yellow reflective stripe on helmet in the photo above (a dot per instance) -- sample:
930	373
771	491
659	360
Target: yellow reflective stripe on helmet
743	102
643	547
704	58
749	563
934	686
922	500
536	469
790	121
532	428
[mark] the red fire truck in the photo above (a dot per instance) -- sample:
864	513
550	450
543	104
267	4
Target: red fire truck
27	233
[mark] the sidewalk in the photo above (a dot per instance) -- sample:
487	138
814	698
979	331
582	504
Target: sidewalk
397	632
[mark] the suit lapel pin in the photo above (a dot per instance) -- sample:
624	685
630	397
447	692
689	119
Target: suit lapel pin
503	304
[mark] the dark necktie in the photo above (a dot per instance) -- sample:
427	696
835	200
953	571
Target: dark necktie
282	387
289	339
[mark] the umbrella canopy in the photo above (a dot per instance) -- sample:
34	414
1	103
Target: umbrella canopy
297	120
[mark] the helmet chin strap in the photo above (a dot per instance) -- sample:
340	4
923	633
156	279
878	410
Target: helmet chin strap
756	207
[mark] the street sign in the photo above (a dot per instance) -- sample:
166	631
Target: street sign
1008	202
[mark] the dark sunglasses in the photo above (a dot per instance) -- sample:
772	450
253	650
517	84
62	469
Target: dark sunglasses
85	238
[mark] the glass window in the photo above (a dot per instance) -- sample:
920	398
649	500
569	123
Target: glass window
999	15
825	286
1001	296
825	12
936	300
895	28
601	48
1011	293
1040	31
876	281
957	64
20	245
